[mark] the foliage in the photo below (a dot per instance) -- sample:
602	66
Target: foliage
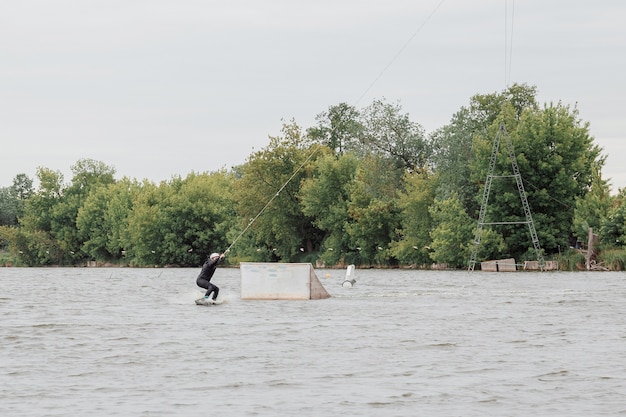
53	210
613	258
592	209
8	208
485	109
324	197
389	133
6	259
492	245
6	235
338	128
373	211
13	200
452	158
267	198
460	148
33	248
452	234
39	208
200	213
103	218
179	222
363	186
570	260
556	157
413	244
89	176
613	225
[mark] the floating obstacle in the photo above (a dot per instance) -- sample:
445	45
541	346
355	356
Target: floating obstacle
349	281
499	265
280	281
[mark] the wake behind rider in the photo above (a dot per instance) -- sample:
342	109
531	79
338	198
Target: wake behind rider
208	269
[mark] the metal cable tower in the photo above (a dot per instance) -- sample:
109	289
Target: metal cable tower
522	193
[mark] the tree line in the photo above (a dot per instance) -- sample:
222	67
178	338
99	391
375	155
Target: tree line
362	186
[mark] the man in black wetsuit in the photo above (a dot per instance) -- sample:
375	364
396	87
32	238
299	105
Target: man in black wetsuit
208	269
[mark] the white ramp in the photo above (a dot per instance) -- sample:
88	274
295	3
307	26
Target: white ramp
280	281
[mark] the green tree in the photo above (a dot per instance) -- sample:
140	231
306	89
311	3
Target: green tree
5	236
454	144
452	235
338	128
452	157
592	208
555	156
119	206
53	209
13	200
22	187
89	173
33	243
178	222
413	247
324	198
374	215
199	214
146	226
102	220
88	176
38	208
485	109
31	247
390	133
267	198
8	207
613	226
91	224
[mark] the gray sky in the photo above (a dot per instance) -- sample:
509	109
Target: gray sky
159	88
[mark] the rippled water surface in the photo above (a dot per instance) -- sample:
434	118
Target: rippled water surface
131	342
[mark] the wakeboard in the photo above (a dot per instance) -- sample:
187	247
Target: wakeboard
208	301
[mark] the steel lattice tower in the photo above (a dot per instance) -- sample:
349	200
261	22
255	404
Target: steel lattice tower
522	193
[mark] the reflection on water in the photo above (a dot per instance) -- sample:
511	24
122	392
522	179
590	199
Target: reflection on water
105	342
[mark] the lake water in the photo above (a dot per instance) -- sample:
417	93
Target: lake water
131	342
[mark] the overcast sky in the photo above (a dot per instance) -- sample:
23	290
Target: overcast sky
159	88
